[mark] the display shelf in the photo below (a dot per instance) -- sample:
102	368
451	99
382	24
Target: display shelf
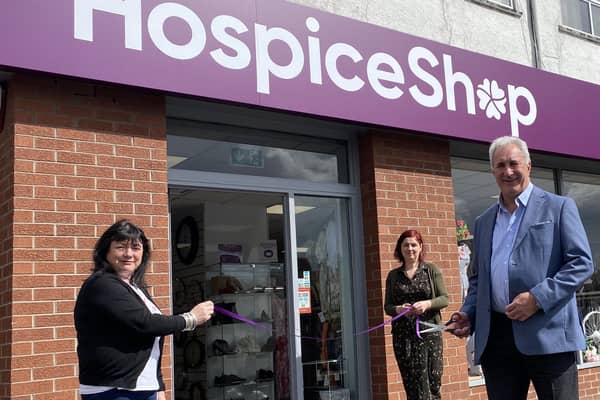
240	356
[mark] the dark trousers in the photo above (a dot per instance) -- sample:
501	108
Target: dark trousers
508	372
421	364
119	394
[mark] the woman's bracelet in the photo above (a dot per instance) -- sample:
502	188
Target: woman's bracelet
190	321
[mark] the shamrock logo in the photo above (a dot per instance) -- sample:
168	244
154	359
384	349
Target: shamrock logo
491	99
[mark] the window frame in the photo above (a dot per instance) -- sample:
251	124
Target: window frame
511	4
498	5
593	3
590	18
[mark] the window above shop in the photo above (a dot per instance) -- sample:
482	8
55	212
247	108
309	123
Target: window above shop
507	3
506	6
582	15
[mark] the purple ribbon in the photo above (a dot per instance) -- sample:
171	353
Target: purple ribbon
389	321
223	311
233	315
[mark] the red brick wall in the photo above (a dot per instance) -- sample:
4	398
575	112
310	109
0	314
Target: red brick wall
85	155
6	244
589	384
406	184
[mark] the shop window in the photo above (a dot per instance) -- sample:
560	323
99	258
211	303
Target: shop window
582	15
585	190
216	148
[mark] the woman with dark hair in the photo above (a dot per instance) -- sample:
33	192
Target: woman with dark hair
418	288
120	330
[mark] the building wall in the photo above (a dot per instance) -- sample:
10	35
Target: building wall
85	155
477	27
564	53
589	384
6	244
406	184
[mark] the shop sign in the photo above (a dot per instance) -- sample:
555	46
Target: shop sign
280	55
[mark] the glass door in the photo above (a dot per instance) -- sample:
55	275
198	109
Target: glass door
323	296
292	337
228	246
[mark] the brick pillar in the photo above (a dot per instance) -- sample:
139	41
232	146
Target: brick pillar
85	155
406	184
6	245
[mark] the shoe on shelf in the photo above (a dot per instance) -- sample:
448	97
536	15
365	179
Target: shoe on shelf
248	344
264	375
227	380
221	348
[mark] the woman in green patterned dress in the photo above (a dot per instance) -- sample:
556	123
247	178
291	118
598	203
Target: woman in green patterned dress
418	287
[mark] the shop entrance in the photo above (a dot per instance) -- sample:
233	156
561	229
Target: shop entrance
281	263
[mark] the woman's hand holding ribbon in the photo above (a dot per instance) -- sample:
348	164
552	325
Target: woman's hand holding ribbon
417	308
405	309
421	306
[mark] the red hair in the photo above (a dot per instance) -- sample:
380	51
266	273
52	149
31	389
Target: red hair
410	233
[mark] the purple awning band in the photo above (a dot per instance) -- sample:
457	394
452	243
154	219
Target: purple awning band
285	56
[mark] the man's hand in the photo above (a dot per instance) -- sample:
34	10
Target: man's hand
522	307
161	395
459	325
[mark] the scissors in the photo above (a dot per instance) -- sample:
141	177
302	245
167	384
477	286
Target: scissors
435	327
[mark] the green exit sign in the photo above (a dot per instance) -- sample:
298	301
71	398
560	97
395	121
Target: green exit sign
247	157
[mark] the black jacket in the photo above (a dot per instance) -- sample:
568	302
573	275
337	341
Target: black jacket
116	332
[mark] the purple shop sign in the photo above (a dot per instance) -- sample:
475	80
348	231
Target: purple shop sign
280	55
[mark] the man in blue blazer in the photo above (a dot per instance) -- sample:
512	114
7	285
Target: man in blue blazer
531	255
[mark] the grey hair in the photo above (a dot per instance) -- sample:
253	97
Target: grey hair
508	140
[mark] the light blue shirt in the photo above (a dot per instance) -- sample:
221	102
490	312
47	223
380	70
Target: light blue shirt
503	239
